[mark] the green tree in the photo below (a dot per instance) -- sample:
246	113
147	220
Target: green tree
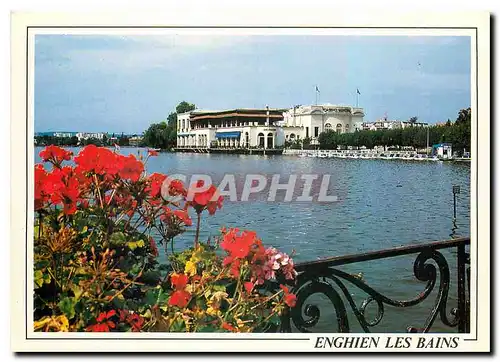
184	107
164	134
457	133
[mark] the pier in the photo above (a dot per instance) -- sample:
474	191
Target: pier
236	151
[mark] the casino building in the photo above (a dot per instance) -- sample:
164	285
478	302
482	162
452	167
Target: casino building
267	128
311	121
234	128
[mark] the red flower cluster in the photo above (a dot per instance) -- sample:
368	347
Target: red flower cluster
134	319
264	263
67	185
103	161
155	182
176	188
103	323
179	297
60	186
205	200
176	217
55	155
290	298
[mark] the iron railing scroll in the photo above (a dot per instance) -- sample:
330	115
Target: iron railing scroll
431	267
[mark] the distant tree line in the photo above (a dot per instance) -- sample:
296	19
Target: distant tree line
45	140
164	134
457	133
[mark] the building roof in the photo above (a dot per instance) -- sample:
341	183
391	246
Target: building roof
238	112
326	107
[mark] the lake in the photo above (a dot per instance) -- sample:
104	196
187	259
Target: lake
381	204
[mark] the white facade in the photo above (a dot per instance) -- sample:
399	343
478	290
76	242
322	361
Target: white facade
245	128
63	134
311	121
263	128
84	135
386	124
443	150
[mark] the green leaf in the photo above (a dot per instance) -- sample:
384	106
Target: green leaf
151	297
38	278
77	291
207	328
219	288
67	306
118	238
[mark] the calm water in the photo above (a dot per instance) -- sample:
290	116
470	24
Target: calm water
382	204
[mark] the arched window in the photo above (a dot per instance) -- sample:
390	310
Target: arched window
328	126
347	128
270	140
339	128
292	136
260	137
246	140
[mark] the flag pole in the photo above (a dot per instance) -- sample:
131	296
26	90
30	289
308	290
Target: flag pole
316	93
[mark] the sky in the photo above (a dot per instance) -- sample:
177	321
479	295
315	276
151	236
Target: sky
113	83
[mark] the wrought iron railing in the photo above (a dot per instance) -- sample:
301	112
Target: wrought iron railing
430	267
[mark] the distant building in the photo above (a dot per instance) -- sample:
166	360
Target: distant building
135	141
386	124
60	134
310	121
232	128
442	150
86	135
263	128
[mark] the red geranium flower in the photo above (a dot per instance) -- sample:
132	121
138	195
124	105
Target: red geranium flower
290	298
134	319
237	244
228	327
179	298
62	187
131	168
208	199
99	160
103	323
156	180
248	287
176	187
56	155
184	217
179	281
41	196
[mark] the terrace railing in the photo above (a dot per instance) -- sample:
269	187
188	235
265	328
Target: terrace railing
430	267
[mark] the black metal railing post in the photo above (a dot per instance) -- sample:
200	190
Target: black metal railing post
463	322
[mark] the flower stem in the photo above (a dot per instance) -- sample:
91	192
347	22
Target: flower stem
198	222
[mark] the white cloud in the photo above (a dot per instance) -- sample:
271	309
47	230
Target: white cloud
135	51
